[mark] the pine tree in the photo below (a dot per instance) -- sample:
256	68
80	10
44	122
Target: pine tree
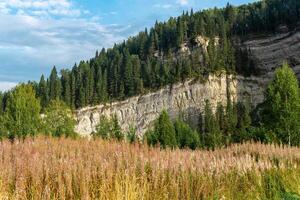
54	85
43	92
128	75
185	136
66	87
220	116
73	87
137	81
163	133
213	136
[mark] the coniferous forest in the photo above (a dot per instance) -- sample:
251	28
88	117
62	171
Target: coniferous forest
151	60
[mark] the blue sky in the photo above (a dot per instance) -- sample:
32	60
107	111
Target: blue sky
35	35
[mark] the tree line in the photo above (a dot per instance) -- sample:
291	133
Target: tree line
276	120
151	60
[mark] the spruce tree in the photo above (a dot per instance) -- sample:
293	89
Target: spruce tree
54	85
128	75
66	87
43	92
164	132
213	136
186	137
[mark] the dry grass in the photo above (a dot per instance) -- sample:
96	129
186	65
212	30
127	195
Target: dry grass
47	168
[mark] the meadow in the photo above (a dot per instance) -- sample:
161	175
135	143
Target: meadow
49	168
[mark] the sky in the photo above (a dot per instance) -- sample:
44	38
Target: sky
35	35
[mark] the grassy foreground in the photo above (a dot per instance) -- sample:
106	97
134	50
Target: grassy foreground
47	168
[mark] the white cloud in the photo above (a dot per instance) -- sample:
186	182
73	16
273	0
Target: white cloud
40	39
183	2
46	8
4	86
165	6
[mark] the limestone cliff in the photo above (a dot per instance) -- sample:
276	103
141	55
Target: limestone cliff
189	97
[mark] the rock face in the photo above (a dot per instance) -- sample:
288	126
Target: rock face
187	98
270	52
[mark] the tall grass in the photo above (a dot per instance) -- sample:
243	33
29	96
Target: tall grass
47	168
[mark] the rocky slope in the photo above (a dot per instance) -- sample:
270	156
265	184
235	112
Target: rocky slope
270	52
189	97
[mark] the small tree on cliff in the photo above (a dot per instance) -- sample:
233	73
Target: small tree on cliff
281	108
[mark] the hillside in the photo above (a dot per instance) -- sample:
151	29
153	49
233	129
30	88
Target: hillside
191	45
189	97
215	62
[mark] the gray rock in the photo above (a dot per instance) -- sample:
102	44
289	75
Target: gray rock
189	97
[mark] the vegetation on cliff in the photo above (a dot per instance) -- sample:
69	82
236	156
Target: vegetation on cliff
276	120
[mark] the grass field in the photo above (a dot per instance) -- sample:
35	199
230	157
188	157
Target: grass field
46	168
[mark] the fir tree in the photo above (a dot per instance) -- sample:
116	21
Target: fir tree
54	85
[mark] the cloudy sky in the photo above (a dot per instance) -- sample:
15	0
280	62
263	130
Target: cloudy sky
35	35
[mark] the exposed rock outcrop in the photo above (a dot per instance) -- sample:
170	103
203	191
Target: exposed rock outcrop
270	52
187	98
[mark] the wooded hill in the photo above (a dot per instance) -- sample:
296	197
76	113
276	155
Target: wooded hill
150	60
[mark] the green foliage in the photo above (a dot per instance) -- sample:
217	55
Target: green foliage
3	130
103	129
163	132
185	136
131	135
116	132
281	109
58	120
151	60
54	85
109	129
212	133
22	114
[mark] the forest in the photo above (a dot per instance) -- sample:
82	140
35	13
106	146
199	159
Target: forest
151	60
